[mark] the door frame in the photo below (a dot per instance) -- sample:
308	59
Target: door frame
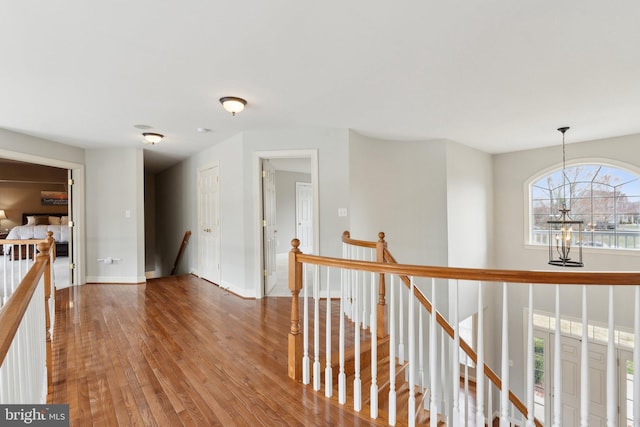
215	164
258	156
78	206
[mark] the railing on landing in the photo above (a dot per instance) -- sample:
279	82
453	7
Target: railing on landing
356	296
26	327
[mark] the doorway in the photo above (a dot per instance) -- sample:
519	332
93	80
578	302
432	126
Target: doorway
571	351
24	179
209	223
288	202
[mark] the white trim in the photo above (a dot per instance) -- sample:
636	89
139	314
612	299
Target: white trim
116	279
238	290
604	161
588	250
312	155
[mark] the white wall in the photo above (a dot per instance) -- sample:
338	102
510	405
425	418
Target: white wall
115	215
176	200
511	172
469	206
28	148
400	188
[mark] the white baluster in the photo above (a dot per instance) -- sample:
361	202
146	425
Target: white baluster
584	364
557	368
401	357
316	328
5	283
504	394
421	380
392	355
373	393
433	360
374	292
466	390
636	361
344	275
342	376
412	357
612	371
306	362
530	367
357	382
443	384
489	403
328	371
456	358
480	359
364	289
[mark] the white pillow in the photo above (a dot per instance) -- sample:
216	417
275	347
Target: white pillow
54	220
64	220
31	220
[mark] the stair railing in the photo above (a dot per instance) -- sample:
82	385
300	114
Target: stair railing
437	395
26	330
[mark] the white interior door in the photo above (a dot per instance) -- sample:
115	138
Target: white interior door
571	351
304	216
269	224
209	223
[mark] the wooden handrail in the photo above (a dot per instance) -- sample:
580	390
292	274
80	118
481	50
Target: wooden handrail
183	246
485	275
22	241
12	312
346	238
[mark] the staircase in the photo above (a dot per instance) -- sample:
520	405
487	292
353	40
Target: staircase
383	382
423	384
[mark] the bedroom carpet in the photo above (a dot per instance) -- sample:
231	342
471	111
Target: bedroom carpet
60	270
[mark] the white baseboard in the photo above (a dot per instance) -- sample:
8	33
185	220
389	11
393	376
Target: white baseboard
243	292
116	279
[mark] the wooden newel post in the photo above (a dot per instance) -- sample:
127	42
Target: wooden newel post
43	253
383	320
295	337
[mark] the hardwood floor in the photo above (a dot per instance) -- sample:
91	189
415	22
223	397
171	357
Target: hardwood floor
179	351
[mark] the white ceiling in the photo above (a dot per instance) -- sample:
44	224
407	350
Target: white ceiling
497	75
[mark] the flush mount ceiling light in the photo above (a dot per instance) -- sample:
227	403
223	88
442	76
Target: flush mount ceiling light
564	232
233	104
152	138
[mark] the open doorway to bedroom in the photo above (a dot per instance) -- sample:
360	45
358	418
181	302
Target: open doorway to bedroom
288	210
37	198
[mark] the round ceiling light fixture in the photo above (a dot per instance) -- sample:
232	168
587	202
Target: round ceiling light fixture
233	104
152	137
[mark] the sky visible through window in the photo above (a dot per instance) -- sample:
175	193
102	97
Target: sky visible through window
605	198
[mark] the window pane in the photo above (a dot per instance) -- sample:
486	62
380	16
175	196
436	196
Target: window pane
605	198
629	397
538	375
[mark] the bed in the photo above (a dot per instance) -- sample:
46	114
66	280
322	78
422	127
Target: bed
36	226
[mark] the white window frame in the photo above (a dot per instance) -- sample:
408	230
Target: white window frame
528	231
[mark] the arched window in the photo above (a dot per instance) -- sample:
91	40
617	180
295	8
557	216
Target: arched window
604	197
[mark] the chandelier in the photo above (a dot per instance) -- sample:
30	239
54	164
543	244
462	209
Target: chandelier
565	233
